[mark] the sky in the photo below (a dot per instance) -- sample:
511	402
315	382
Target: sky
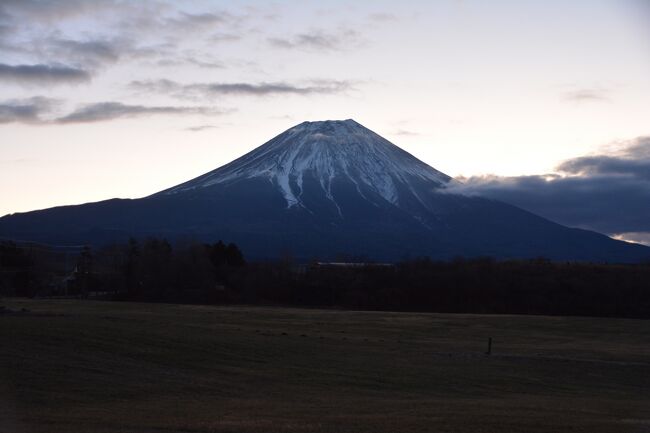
545	105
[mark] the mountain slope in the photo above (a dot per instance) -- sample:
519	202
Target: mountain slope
325	190
325	152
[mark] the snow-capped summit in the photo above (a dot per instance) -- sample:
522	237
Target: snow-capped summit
327	152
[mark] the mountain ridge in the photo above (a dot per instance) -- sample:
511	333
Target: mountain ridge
325	190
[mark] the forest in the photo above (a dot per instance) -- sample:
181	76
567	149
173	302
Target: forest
155	270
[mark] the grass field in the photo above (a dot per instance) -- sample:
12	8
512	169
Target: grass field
81	366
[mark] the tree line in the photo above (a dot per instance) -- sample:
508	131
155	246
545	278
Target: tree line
151	270
154	270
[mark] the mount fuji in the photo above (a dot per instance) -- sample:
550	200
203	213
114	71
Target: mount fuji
325	190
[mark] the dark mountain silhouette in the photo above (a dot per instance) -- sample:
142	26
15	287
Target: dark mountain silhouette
325	190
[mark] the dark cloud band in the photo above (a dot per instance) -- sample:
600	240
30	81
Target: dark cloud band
39	111
113	110
42	74
606	193
251	89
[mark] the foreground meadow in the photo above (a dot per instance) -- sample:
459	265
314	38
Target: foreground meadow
82	366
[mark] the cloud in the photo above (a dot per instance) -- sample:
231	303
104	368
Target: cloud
43	111
104	111
88	52
199	128
263	89
176	26
382	17
42	74
190	61
201	21
609	193
98	52
7	27
405	133
207	64
631	159
52	10
245	89
156	86
25	110
637	237
319	40
593	166
225	37
143	29
587	95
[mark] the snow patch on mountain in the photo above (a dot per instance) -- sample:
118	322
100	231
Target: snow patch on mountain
327	151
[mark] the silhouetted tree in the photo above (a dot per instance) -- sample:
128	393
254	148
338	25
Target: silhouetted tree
83	272
133	285
16	270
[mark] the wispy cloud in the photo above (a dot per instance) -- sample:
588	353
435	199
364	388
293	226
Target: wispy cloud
114	110
191	61
93	52
41	74
156	86
405	133
207	64
43	111
199	128
587	95
188	22
382	17
262	89
25	110
225	37
40	31
53	10
319	40
246	89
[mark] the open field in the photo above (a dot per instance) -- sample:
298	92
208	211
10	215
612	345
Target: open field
81	366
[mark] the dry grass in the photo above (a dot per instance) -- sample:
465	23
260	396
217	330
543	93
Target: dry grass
79	366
